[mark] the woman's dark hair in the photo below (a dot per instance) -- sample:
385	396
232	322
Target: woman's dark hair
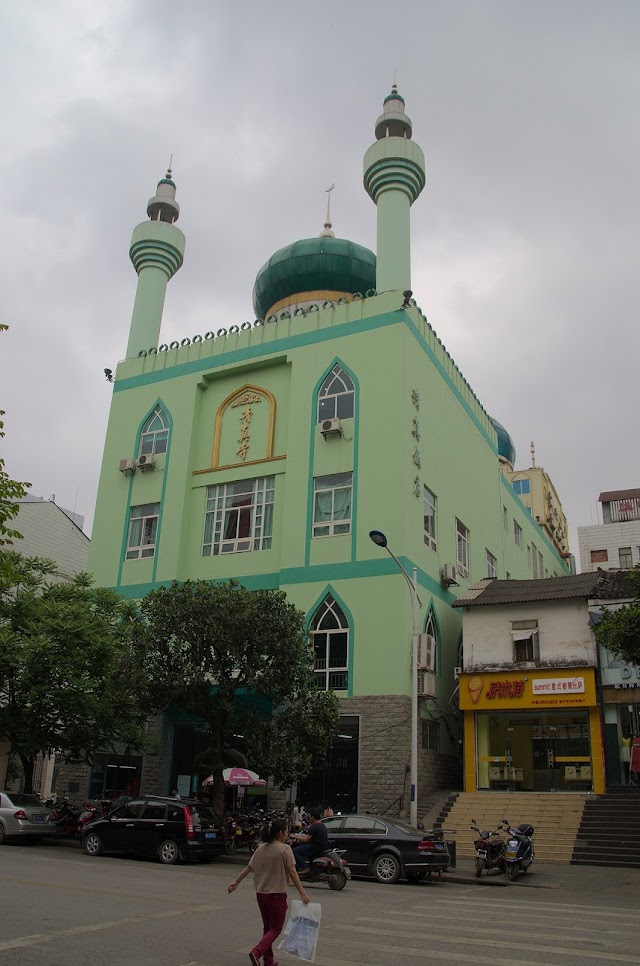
273	829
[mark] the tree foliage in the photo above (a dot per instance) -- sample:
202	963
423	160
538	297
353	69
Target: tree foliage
619	630
10	491
218	651
70	668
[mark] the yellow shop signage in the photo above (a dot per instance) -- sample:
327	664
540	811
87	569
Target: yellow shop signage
492	690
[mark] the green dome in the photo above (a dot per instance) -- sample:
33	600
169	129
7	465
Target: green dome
323	264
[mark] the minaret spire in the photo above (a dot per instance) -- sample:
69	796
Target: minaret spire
328	233
157	252
394	176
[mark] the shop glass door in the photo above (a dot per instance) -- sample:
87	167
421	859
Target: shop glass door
534	751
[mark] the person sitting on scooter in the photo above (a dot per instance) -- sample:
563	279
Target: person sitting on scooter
315	839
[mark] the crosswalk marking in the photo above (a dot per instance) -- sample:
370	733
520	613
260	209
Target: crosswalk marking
478	930
494	943
440	955
610	927
538	906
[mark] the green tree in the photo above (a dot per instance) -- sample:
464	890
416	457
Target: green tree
10	491
619	630
210	647
70	667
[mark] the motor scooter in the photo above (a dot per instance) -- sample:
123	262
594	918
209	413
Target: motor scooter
490	849
518	854
329	867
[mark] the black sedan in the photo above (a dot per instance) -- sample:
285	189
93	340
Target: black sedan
387	848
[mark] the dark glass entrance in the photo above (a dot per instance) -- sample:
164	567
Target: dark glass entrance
335	779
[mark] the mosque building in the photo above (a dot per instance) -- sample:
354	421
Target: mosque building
267	451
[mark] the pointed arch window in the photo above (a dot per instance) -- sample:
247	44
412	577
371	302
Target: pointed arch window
430	645
329	632
336	397
155	434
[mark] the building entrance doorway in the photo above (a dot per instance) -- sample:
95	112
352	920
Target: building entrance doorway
335	778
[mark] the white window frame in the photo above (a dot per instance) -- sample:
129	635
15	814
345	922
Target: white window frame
332	484
430	734
462	549
143	549
152	440
429	500
526	640
329	677
219	506
517	534
628	553
491	564
337	378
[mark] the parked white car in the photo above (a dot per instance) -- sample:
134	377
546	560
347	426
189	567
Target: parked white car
23	815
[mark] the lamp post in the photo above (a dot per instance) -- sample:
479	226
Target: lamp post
380	540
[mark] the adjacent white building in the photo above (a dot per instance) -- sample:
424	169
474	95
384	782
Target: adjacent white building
613	544
48	531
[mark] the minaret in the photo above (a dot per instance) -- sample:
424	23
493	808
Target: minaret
157	250
394	176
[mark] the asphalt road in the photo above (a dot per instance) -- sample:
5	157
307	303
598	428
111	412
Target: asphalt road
59	907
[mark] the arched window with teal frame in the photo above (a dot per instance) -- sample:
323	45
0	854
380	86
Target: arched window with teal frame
432	642
336	396
329	632
154	435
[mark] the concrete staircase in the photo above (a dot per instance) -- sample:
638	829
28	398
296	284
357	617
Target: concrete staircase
609	833
556	818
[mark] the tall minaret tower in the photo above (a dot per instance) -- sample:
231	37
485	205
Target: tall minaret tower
157	250
394	176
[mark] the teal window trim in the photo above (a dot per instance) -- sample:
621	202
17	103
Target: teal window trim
329	589
127	515
313	435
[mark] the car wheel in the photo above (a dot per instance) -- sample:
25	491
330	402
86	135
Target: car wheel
337	881
168	852
386	868
479	867
415	877
92	844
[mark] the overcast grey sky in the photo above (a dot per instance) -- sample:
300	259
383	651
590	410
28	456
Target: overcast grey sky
525	253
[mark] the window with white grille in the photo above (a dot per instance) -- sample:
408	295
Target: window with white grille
462	549
239	517
329	631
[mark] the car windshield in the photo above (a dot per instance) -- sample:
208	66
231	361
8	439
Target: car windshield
19	798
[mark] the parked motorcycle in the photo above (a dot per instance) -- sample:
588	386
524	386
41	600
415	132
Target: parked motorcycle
490	849
329	867
91	810
66	818
519	852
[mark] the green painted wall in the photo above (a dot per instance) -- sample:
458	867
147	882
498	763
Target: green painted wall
389	353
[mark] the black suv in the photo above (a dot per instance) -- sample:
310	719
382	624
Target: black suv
171	828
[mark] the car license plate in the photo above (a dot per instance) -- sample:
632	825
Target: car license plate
511	855
439	846
211	835
39	818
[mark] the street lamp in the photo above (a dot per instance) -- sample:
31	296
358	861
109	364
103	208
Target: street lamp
380	540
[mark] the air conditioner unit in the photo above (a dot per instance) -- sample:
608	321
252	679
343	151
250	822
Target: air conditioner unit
426	684
449	575
457	671
127	466
146	462
426	652
330	427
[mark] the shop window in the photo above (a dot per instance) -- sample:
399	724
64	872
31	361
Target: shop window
526	640
431	734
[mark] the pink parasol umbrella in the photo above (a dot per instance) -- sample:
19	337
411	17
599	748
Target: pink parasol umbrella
237	776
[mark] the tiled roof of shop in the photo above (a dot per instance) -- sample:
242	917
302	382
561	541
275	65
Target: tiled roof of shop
521	591
609	495
613	585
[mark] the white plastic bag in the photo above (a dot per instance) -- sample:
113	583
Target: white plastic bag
301	932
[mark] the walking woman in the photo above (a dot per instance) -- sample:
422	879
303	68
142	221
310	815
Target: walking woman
272	865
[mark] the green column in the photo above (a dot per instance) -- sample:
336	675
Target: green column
157	252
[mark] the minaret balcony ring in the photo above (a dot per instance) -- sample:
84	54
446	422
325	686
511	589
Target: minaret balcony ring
157	254
394	174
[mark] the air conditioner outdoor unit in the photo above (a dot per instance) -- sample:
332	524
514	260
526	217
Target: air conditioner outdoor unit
449	575
426	652
457	671
330	427
146	462
127	466
426	684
